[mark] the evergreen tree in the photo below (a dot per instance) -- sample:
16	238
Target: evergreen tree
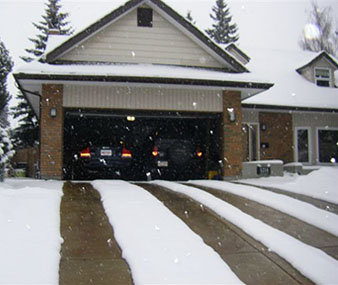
27	133
222	31
190	18
53	19
319	34
6	65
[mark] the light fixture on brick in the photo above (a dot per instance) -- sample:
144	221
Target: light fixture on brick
53	112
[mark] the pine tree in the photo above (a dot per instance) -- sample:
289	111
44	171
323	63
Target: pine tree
319	34
52	20
222	31
190	18
27	133
6	152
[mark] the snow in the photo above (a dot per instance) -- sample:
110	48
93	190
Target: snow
303	211
320	184
317	266
136	70
158	246
30	241
290	88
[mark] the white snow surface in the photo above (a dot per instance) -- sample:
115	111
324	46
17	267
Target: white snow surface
30	240
320	184
158	246
137	70
303	211
317	266
290	88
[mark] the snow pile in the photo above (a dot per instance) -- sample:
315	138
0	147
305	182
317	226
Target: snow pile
298	209
317	266
158	246
30	241
320	184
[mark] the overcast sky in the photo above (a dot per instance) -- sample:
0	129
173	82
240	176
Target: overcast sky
262	23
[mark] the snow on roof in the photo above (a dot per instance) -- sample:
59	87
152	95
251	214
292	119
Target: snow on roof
55	41
290	88
138	70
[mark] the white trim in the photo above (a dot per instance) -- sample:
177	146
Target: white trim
330	76
296	129
317	141
258	139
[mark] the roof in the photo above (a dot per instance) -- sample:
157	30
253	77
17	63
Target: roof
290	90
53	54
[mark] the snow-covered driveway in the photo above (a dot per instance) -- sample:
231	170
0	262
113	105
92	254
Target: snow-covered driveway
158	246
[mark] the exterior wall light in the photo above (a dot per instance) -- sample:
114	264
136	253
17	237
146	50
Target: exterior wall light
53	112
232	116
263	127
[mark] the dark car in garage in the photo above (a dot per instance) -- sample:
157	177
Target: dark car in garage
175	155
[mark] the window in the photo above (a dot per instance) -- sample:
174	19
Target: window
328	146
323	77
303	145
144	17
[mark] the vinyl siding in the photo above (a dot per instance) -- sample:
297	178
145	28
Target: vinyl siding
142	98
124	42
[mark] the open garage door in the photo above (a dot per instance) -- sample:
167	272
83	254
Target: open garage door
140	146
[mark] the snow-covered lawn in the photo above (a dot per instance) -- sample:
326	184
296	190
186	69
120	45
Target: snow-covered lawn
158	246
303	211
317	266
30	240
320	184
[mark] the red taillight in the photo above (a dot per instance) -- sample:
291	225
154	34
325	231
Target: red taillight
85	153
126	153
155	151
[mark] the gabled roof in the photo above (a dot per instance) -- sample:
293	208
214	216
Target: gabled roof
291	90
318	56
53	55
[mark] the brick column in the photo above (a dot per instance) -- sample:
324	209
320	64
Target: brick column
51	132
232	135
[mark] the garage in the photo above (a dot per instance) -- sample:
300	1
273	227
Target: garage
191	136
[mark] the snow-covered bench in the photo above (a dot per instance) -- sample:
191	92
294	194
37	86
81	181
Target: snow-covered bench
262	168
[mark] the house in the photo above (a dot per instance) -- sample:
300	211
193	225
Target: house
297	119
141	61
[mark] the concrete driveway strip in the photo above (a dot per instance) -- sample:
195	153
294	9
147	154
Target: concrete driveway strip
89	254
302	231
250	260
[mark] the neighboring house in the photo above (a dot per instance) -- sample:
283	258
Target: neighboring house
297	119
146	62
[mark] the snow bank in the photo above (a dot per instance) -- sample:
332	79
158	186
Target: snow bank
158	246
30	239
303	211
317	266
320	184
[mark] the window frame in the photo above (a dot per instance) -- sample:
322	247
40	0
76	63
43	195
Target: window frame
317	141
309	162
321	79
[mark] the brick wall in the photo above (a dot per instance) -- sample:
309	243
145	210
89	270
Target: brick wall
278	136
232	134
51	132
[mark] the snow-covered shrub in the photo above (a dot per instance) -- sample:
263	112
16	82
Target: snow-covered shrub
6	151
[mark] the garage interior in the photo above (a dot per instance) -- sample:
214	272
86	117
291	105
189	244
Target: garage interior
83	127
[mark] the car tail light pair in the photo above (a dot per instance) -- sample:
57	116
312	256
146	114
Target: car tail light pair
85	153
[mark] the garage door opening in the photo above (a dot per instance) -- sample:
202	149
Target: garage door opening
140	146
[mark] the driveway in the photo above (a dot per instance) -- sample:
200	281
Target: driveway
91	254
